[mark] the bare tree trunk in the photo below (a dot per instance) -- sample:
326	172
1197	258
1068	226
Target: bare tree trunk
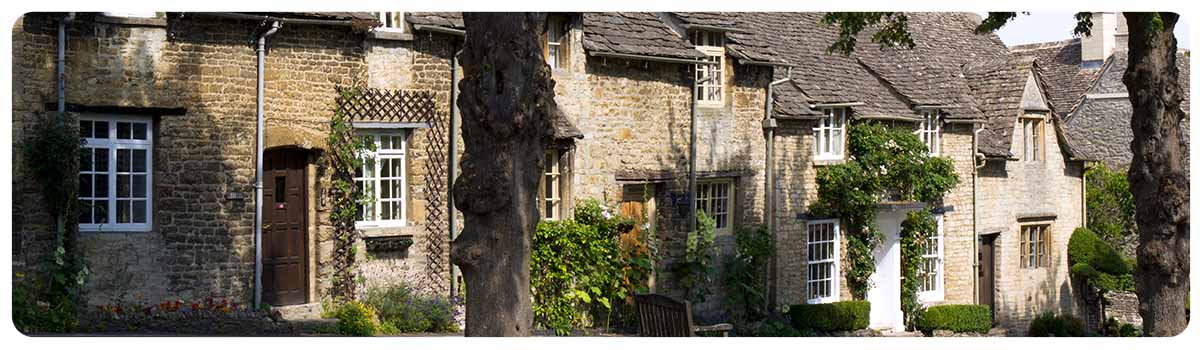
506	101
1158	176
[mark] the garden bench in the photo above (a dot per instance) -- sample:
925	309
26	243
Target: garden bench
661	316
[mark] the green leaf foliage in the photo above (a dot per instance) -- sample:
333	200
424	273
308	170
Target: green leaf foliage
575	269
1098	263
956	318
357	319
915	230
891	29
695	270
342	158
1049	324
832	317
1110	208
746	274
401	310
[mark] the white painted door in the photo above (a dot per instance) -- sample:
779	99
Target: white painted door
884	294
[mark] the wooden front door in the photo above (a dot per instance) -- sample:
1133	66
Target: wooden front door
285	228
987	272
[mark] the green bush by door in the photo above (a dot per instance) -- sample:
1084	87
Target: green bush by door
832	317
956	318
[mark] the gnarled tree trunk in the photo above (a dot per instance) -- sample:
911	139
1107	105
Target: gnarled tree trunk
1157	175
506	102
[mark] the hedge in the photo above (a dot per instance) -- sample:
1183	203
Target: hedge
832	317
956	318
1048	325
1087	248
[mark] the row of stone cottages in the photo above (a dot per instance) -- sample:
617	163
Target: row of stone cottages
167	103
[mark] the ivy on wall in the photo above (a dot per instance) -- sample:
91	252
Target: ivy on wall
342	159
915	231
885	164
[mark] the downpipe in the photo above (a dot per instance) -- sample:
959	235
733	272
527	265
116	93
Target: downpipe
61	76
979	162
452	167
258	174
769	125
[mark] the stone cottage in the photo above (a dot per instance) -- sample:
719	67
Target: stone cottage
636	89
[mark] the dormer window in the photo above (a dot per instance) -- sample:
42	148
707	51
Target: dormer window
390	21
1033	127
930	131
710	77
555	45
830	134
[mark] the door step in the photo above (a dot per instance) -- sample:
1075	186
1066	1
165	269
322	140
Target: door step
310	311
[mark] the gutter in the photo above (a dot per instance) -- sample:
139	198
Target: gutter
258	173
281	20
750	62
647	58
769	125
440	29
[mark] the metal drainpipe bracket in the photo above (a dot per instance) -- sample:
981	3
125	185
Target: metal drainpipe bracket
770	123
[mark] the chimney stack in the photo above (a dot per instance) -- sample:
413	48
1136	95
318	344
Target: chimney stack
1106	28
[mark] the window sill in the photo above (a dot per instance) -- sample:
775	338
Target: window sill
828	161
133	21
383	230
388	34
710	104
826	300
128	229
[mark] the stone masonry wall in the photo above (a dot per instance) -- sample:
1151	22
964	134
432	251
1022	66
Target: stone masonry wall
1016	192
201	244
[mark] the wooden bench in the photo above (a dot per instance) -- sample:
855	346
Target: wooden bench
661	316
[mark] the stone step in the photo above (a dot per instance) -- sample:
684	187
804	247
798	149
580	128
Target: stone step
311	311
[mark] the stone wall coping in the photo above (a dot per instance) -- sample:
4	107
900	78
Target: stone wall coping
133	21
389	35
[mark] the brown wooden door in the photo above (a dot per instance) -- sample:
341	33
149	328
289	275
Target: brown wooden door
285	234
987	272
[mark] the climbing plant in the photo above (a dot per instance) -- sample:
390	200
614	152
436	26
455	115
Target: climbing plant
695	271
884	164
342	158
915	231
52	154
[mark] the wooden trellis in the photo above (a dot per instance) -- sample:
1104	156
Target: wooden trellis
406	106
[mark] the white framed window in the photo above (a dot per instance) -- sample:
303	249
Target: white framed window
115	167
710	78
932	268
556	33
824	265
930	131
1034	130
713	198
552	186
830	134
382	176
390	21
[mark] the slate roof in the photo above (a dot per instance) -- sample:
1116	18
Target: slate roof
1058	63
998	86
634	33
722	20
440	19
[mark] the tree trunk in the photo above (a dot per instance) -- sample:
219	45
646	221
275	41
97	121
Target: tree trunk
1157	175
506	101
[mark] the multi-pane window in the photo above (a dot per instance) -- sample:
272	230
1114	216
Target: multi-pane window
1034	138
1034	243
556	33
830	134
552	186
390	21
823	264
381	178
930	271
710	77
931	131
713	198
114	173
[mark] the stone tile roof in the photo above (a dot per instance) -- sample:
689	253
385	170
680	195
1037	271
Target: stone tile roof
1058	63
708	19
790	102
998	86
440	19
634	33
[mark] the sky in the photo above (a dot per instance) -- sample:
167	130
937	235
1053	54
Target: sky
1037	27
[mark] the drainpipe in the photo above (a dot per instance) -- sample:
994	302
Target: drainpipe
975	129
769	125
258	174
453	166
61	75
691	219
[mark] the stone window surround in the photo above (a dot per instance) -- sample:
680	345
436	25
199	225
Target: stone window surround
1033	132
938	293
708	197
834	260
112	143
1045	238
402	155
833	120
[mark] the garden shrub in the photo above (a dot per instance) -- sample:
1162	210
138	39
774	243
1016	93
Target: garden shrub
695	270
747	271
357	319
400	310
1051	325
832	317
1098	263
1114	328
1110	207
574	273
956	318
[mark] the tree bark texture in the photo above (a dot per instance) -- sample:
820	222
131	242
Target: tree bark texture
1158	174
506	100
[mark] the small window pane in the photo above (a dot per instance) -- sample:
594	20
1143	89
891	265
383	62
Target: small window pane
85	212
124	158
123	131
100	160
85	185
123	186
139	131
139	160
139	211
85	128
280	189
139	186
101	186
85	159
100	129
124	212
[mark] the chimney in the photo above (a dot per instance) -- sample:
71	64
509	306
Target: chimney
1096	47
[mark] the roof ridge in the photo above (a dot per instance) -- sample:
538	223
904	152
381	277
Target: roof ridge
1043	45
